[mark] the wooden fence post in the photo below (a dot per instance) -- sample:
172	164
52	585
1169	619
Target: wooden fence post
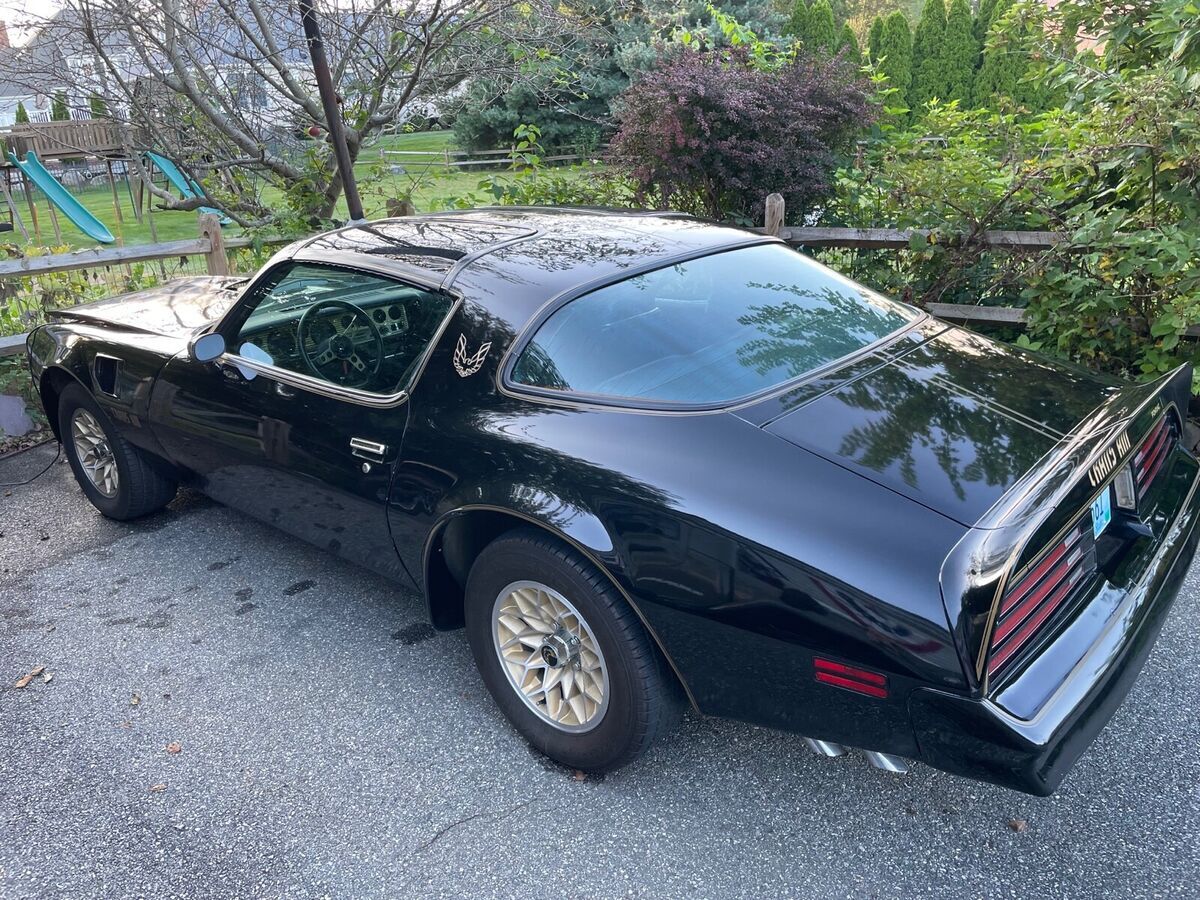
399	206
210	228
774	214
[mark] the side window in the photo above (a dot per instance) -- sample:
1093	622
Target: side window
708	331
346	327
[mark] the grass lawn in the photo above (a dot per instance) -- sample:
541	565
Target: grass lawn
432	184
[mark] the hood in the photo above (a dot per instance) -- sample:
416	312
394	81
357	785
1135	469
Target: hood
175	309
952	423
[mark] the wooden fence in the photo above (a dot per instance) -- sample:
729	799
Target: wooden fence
213	248
900	239
462	159
210	244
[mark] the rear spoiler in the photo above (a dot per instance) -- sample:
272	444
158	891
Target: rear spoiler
1044	500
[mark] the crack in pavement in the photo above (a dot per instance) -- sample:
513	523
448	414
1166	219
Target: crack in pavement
463	821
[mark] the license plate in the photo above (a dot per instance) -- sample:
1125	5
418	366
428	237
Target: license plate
1101	513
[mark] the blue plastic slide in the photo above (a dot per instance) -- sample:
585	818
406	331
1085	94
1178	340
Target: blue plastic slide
33	170
186	186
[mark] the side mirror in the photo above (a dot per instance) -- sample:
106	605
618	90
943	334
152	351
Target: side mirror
206	347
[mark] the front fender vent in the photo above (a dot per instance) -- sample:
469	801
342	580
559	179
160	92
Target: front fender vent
104	370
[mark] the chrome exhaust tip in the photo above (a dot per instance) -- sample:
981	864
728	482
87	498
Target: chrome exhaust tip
887	762
824	748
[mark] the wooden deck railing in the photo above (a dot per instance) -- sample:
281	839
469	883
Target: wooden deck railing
64	140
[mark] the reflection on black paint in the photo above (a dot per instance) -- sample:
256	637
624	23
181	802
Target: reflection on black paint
952	423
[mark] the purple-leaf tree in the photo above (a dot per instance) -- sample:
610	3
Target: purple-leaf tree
712	133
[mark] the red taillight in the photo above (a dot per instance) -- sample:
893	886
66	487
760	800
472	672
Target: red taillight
1039	592
862	681
1148	460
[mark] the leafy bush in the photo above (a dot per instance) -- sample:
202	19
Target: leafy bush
713	133
1114	171
25	300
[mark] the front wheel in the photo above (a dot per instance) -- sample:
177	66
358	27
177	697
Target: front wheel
120	480
563	655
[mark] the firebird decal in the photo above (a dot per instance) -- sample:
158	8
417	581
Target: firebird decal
468	365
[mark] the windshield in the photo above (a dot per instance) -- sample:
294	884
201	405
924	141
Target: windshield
708	331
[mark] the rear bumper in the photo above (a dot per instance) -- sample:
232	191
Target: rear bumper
979	739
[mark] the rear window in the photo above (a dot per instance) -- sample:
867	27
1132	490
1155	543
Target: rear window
708	331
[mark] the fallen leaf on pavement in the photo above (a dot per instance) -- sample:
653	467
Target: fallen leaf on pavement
1018	825
157	788
24	680
173	747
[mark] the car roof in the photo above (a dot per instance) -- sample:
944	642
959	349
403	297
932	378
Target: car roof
512	260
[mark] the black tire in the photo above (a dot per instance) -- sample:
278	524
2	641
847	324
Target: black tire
143	484
644	697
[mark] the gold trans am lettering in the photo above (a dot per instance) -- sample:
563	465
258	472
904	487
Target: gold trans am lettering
468	365
1103	467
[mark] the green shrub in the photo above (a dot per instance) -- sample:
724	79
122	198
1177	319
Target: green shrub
1113	171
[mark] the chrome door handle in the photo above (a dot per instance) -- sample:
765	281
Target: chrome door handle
372	450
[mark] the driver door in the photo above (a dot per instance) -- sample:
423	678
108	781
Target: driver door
300	422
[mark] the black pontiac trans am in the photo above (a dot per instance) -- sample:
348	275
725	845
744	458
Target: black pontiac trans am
649	461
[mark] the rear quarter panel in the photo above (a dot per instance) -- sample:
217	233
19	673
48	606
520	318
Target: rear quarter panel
743	553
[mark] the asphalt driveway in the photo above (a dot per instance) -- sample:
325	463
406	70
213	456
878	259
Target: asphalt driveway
330	744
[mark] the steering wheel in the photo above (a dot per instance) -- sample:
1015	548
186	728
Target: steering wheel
338	357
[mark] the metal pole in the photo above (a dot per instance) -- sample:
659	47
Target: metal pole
333	114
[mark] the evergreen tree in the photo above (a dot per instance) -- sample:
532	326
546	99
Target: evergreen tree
960	53
1005	63
58	108
98	107
22	114
928	66
848	44
797	24
822	32
874	39
895	49
983	19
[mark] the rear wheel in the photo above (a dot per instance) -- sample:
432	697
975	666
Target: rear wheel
563	655
120	480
